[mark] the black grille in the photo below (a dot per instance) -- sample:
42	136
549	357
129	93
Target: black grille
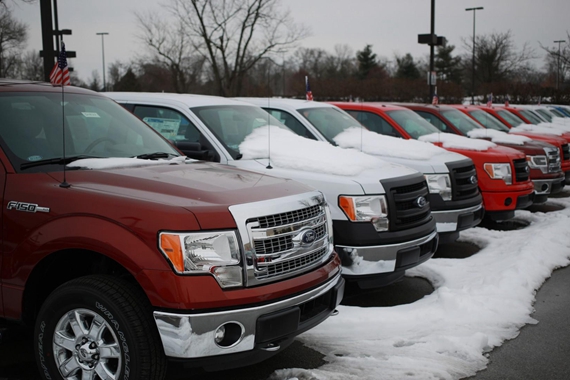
282	243
521	170
464	182
408	213
565	152
286	217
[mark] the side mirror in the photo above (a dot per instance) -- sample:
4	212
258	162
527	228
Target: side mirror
194	150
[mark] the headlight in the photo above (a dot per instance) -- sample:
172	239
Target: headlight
371	209
439	184
538	162
198	252
500	171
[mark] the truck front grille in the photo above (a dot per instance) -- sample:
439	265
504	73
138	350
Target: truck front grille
553	160
284	244
464	182
565	152
406	211
521	170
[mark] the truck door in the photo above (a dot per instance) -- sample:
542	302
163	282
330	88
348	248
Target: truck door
2	187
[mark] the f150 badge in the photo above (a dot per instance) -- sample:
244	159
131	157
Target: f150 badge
28	207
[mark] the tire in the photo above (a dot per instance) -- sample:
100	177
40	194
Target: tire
98	328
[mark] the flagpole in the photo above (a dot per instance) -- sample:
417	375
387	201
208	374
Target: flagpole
64	184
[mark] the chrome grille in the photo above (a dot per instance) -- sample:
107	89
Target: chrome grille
553	159
284	237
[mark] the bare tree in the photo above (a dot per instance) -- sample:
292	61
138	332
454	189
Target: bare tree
233	35
496	58
31	66
13	36
171	47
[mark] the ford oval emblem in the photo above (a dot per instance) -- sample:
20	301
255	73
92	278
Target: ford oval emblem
473	179
309	236
527	169
421	202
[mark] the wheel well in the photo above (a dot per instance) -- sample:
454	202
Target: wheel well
63	266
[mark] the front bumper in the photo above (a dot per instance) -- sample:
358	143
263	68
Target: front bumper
192	336
386	259
457	220
544	187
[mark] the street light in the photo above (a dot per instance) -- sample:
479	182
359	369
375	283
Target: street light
473	60
103	34
558	64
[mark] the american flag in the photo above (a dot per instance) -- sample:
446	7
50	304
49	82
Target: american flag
308	91
435	99
490	100
507	101
60	73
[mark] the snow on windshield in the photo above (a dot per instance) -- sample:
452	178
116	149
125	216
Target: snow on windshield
457	142
291	151
478	303
498	136
122	162
374	143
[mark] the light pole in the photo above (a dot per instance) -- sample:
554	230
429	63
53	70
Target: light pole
473	59
103	34
558	65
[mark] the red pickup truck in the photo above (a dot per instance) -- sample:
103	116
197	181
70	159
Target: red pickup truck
124	254
544	159
503	173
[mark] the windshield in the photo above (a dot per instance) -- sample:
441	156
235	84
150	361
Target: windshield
461	121
488	120
531	117
511	118
232	123
329	121
556	112
545	114
413	124
31	129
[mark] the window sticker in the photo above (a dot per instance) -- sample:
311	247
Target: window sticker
166	127
90	114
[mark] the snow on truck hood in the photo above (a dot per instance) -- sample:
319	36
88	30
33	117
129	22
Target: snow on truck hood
123	162
376	144
290	151
542	128
498	136
457	142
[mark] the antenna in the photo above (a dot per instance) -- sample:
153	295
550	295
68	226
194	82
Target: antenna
268	135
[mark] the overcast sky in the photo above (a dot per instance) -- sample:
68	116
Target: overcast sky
390	26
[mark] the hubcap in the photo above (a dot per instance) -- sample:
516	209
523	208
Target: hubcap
86	347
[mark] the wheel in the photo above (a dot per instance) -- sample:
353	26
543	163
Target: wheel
98	328
97	142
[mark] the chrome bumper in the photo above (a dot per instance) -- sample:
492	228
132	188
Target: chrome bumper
378	259
446	221
193	335
544	186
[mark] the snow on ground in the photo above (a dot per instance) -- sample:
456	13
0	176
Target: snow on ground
478	303
452	141
376	144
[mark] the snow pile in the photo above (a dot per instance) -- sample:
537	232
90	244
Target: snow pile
377	144
123	162
559	126
291	151
478	303
449	140
498	136
542	128
561	120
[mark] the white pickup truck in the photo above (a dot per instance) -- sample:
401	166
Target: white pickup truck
455	201
382	221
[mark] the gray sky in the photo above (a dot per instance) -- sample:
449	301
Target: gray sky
391	26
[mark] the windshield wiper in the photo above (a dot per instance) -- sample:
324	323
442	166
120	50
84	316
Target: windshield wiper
154	156
54	161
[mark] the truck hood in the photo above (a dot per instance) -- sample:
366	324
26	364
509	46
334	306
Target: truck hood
189	184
